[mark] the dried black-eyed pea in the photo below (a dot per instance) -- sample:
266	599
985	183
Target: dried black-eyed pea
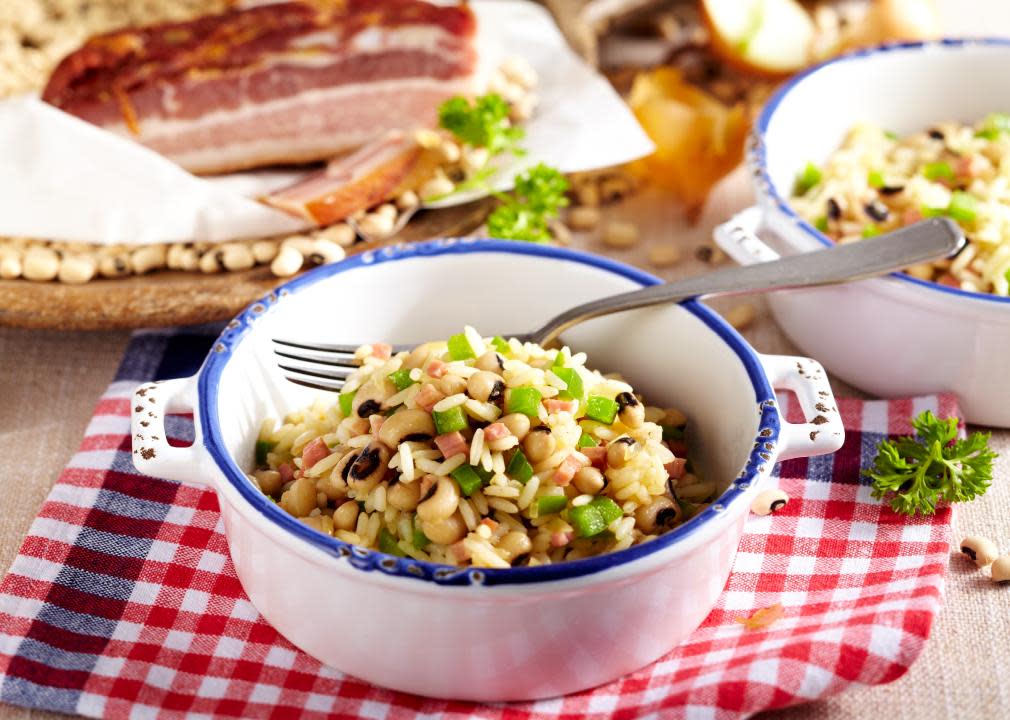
583	218
630	411
147	258
210	261
378	225
40	263
264	251
982	551
77	269
237	256
115	265
621	450
288	261
620	235
10	266
769	501
342	234
1001	570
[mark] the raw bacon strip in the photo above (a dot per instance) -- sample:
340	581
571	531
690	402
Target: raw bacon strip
279	83
378	171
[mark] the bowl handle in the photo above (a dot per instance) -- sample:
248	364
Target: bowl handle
738	238
152	455
823	431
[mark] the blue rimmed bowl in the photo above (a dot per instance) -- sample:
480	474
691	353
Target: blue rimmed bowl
899	335
478	634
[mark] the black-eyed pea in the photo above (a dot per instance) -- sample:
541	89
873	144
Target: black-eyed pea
407	424
341	233
448	151
442	504
621	450
620	235
376	225
474	159
516	544
769	501
630	411
345	517
490	362
264	251
76	269
40	263
269	481
588	194
404	496
1000	570
420	355
147	258
517	423
300	499
10	266
114	265
539	444
437	186
658	516
370	396
451	384
664	254
982	551
173	257
588	480
288	261
210	262
325	252
444	532
368	468
301	243
407	201
486	386
583	217
237	256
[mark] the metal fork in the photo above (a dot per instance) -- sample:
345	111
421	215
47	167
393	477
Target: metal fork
931	239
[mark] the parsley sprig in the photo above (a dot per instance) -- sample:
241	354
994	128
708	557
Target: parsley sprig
538	193
915	473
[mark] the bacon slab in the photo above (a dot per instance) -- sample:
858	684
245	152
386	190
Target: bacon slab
279	83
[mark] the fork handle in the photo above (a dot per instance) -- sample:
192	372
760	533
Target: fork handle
927	240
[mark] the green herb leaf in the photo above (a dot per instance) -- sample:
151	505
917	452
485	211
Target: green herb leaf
915	473
538	195
483	123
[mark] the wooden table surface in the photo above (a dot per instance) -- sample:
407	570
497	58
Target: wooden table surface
50	382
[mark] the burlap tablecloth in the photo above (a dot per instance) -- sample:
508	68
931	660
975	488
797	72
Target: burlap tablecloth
50	381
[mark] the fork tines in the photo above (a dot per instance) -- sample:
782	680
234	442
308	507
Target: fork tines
329	365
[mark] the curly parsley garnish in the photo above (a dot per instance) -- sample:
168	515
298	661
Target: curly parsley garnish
916	473
484	123
538	195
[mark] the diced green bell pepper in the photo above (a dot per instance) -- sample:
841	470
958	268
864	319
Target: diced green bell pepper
549	504
460	348
875	179
388	544
451	420
870	231
500	344
519	468
601	409
593	518
418	539
525	400
938	171
576	389
262	448
672	432
821	223
346	399
963	206
401	379
586	440
468	478
807	179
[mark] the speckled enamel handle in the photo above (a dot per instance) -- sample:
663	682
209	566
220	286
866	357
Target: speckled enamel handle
152	454
823	432
738	238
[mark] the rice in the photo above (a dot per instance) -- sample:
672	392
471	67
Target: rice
877	182
493	487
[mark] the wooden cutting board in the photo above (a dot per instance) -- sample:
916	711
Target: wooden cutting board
183	298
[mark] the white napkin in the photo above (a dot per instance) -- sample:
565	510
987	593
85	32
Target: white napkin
64	179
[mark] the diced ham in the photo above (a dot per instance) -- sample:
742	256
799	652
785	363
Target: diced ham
452	444
492	524
597	456
949	280
911	216
382	351
566	470
277	83
969	166
459	551
677	447
287	473
436	368
560	539
676	468
496	431
375	423
428	396
314	452
554	405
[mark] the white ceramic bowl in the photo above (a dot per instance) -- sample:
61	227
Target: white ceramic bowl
893	336
478	634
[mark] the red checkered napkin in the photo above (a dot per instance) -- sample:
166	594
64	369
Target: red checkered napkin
123	602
